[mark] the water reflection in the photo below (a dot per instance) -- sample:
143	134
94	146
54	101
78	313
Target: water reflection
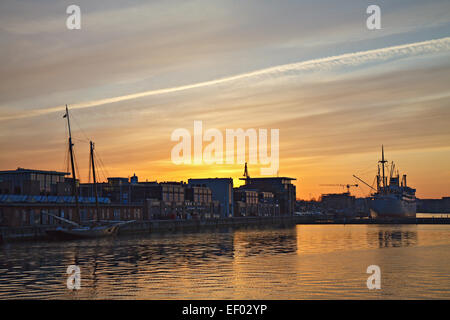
270	242
396	238
291	263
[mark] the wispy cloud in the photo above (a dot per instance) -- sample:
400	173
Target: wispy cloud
327	63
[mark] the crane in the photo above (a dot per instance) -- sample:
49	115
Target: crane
365	183
348	186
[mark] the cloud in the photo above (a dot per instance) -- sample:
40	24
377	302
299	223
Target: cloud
349	59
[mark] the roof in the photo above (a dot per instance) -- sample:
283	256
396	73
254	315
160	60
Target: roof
268	178
22	170
210	179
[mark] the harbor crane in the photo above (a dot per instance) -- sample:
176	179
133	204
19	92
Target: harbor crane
348	186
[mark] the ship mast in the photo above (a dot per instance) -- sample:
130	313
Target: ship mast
378	179
74	182
95	181
383	161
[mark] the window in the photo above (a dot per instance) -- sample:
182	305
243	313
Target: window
137	214
50	218
83	214
24	217
43	216
116	214
32	221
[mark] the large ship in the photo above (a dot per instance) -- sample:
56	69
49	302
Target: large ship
392	198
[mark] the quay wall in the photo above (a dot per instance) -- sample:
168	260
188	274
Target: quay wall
157	226
193	225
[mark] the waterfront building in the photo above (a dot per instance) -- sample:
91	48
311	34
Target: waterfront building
23	210
434	205
198	194
283	190
267	204
161	200
27	195
252	202
222	191
245	202
339	204
33	182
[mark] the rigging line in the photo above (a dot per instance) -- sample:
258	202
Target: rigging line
373	182
103	167
103	176
98	171
371	171
361	173
102	163
365	169
67	159
79	127
77	171
65	164
66	153
80	140
99	168
89	174
102	170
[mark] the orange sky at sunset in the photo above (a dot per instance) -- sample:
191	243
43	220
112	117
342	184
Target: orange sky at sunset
335	90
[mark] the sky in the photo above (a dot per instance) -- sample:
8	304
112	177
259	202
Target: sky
136	71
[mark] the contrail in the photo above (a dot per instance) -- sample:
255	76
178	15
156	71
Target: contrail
352	59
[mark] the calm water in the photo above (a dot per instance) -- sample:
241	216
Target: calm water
302	262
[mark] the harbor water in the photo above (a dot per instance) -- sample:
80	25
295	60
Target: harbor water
299	262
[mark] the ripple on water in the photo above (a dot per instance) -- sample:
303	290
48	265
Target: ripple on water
305	262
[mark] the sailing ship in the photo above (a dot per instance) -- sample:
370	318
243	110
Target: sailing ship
392	198
75	229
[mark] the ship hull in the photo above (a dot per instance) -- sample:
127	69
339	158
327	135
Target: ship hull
82	233
391	207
